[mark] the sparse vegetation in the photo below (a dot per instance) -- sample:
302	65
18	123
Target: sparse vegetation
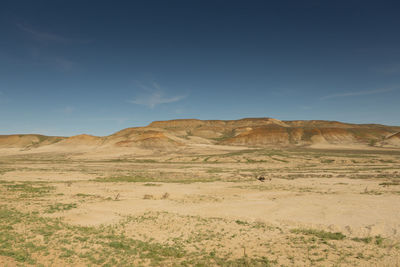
57	207
151	184
366	240
34	214
140	179
372	142
320	234
28	189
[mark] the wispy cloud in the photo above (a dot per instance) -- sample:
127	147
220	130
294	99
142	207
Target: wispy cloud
358	93
155	96
58	62
43	36
39	52
47	37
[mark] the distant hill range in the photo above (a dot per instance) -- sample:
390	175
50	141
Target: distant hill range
250	132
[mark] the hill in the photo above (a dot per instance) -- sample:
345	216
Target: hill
250	132
27	140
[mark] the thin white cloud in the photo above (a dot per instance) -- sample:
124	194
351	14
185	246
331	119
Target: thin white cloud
39	56
358	93
155	96
43	56
157	86
43	36
46	37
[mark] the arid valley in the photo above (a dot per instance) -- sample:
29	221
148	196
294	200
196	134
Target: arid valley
251	192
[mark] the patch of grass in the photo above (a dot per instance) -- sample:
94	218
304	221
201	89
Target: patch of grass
67	253
372	142
241	222
366	240
206	159
145	161
103	245
99	244
225	135
390	183
387	161
60	207
371	192
151	184
4	170
3	182
29	189
143	179
256	161
215	170
11	242
281	160
379	240
320	234
130	179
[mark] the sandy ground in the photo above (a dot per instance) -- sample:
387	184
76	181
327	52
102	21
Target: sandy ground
322	203
212	203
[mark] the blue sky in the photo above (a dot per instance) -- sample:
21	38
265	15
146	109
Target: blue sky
72	67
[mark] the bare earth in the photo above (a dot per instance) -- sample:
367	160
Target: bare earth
201	207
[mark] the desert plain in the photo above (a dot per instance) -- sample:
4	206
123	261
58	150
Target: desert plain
189	193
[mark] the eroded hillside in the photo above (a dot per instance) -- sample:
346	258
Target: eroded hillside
186	133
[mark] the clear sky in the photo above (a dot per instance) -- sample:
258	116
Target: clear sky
72	67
